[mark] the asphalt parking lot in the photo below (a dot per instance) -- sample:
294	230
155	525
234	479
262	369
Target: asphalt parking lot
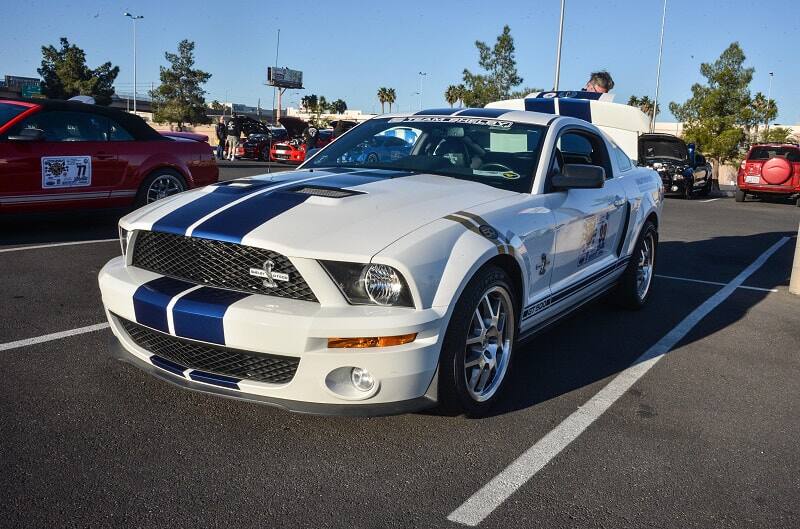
704	436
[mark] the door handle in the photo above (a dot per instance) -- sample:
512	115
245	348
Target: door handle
619	201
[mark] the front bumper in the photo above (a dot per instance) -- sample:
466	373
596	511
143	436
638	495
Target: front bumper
259	324
673	186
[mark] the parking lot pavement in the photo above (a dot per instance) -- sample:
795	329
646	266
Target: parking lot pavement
707	437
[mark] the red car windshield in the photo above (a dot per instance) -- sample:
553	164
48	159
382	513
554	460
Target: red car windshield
9	111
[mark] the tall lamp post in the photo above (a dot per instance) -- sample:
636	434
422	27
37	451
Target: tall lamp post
421	75
658	71
134	19
769	98
558	49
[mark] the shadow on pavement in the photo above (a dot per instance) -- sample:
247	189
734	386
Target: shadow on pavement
43	228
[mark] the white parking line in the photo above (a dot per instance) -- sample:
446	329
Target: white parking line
54	336
715	283
73	243
501	487
709	200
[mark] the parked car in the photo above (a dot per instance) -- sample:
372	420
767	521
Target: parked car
66	154
294	151
683	170
770	169
257	146
353	288
379	149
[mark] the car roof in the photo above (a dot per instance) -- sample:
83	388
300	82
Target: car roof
135	125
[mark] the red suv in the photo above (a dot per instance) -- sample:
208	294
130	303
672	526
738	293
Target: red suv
770	169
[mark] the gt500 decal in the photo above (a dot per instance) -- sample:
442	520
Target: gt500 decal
66	171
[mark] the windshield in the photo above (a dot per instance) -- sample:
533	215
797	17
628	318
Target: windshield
664	149
765	153
498	153
9	111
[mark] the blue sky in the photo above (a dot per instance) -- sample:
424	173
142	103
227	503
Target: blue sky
347	49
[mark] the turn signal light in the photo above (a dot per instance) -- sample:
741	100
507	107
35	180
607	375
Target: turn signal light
374	341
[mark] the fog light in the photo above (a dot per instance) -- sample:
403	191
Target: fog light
674	188
362	379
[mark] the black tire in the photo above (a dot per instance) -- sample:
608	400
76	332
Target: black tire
372	158
688	190
455	395
265	153
145	193
739	196
628	292
706	189
798	202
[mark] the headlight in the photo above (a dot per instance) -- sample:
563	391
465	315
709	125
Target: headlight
369	284
124	238
678	177
657	165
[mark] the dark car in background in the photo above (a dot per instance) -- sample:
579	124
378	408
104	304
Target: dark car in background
683	171
379	149
770	169
69	154
257	146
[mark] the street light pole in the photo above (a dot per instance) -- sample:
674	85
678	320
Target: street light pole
658	71
769	98
558	50
134	19
421	75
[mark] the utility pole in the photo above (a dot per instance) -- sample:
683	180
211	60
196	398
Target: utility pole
421	75
558	49
769	99
134	19
658	71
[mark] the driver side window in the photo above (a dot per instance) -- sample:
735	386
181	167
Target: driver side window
67	126
581	147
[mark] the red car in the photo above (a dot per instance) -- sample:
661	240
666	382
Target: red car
67	154
770	169
294	151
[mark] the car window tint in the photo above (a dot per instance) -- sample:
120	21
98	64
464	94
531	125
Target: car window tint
117	133
623	161
9	111
583	148
68	126
765	153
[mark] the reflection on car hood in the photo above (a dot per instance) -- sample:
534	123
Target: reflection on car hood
285	213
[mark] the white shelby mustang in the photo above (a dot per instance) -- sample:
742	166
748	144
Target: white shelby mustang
388	275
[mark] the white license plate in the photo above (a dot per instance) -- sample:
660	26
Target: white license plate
752	179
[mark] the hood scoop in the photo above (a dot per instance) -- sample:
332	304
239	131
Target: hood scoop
327	192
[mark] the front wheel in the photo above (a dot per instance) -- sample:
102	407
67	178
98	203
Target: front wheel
634	285
476	352
706	189
161	183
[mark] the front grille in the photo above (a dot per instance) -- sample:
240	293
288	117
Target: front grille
212	359
217	263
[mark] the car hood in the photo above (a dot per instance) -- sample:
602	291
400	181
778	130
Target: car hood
334	214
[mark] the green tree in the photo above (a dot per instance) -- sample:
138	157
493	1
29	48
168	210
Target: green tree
522	92
65	74
716	115
310	102
391	97
500	75
338	106
645	104
180	97
383	97
776	135
452	95
216	105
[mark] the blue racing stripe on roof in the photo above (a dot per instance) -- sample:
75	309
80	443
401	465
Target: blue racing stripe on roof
178	221
483	112
198	315
437	112
151	299
576	108
217	380
237	221
546	106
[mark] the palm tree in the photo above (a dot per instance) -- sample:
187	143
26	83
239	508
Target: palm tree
451	95
644	103
383	97
461	92
391	97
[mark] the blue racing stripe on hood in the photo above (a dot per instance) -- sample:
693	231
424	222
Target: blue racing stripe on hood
151	299
198	315
177	221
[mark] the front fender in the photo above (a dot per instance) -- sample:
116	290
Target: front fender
170	161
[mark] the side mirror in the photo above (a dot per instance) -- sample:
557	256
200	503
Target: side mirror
580	176
28	135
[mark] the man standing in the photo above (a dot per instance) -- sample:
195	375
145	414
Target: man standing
600	82
222	133
232	140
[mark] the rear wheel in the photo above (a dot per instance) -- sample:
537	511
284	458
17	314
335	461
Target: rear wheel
740	195
265	153
798	202
161	183
634	285
706	189
476	352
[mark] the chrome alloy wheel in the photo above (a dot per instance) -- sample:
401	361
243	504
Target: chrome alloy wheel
488	345
644	268
164	185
